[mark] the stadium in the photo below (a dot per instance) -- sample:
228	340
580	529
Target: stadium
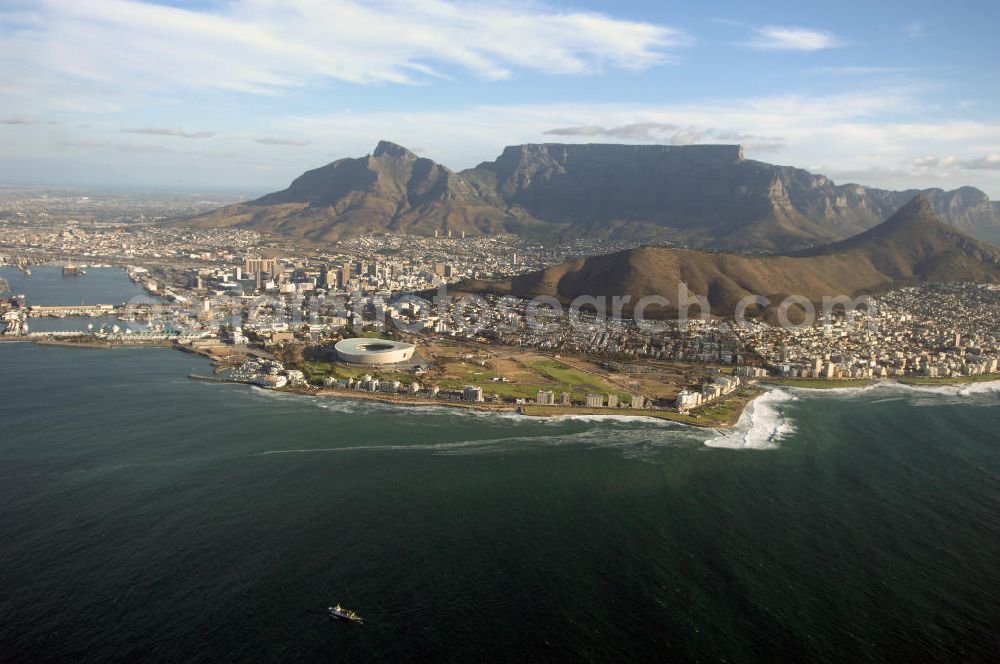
371	352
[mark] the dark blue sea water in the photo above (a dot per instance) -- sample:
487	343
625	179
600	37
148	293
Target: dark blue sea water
148	517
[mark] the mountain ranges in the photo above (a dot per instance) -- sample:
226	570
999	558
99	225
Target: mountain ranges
696	196
912	247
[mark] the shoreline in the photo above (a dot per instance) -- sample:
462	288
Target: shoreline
822	384
909	381
732	409
526	410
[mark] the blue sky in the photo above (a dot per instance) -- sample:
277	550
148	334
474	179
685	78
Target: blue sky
248	94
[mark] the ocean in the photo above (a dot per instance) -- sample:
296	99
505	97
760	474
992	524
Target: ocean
100	285
149	517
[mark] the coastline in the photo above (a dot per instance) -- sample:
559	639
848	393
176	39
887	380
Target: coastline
732	410
527	410
909	381
821	383
722	415
921	381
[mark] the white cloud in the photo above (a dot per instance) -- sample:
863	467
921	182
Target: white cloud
112	145
639	131
933	162
78	55
277	140
875	136
987	163
886	138
169	131
792	38
20	120
669	134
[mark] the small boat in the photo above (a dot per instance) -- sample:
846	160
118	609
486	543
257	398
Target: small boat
341	613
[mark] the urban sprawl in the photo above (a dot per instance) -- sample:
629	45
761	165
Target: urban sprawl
273	313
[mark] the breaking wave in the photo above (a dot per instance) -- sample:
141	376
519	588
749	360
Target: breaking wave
916	395
761	426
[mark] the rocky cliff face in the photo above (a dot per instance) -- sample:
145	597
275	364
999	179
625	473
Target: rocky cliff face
592	185
706	196
844	210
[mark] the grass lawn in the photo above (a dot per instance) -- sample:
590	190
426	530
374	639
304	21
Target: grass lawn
317	370
729	409
571	380
554	411
527	378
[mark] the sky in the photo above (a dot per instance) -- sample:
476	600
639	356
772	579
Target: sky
245	95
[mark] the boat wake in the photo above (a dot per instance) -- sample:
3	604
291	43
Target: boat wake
636	443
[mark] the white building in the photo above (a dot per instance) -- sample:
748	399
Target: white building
373	351
545	398
687	400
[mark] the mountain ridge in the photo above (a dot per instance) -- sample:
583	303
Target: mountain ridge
913	246
703	196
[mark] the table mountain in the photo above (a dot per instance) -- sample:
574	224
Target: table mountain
704	196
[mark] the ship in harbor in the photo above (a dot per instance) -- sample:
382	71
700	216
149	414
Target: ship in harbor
70	270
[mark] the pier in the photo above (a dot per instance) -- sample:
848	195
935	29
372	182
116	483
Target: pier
52	311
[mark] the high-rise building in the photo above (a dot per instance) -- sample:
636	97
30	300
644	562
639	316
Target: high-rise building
327	278
545	398
687	399
472	393
257	265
